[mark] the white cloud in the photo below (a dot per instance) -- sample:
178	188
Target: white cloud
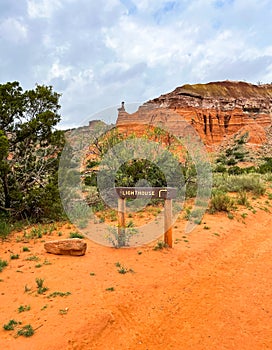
42	8
59	71
98	53
13	30
133	43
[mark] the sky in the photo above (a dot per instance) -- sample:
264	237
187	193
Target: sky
97	53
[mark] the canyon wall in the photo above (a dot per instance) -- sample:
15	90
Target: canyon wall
215	111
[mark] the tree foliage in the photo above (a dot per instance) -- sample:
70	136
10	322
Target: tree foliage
29	148
157	158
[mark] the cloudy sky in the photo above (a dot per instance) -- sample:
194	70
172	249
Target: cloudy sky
98	53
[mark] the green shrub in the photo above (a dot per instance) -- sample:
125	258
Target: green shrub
90	180
76	235
160	245
197	213
239	155
47	262
220	202
99	205
41	288
220	168
26	331
23	308
230	216
10	325
44	203
242	198
187	213
243	139
60	294
221	159
231	161
247	182
92	164
235	170
5	229
122	269
120	238
80	214
130	224
219	181
36	232
110	289
113	215
14	256
266	167
191	190
33	258
3	263
250	170
229	152
238	183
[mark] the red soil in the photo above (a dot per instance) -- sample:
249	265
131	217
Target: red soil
211	291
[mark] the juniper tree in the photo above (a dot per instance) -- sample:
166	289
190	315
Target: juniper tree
29	148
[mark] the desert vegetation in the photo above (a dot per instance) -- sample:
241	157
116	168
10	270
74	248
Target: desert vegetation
31	146
234	183
109	288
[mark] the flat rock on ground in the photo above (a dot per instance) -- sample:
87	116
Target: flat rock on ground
72	246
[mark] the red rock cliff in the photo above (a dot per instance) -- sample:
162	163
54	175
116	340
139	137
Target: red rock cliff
215	110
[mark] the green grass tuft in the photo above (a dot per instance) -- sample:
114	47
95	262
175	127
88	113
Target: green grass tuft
10	325
160	245
76	235
23	308
26	331
60	294
3	263
14	256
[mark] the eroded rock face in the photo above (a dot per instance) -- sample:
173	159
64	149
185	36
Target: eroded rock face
72	246
215	110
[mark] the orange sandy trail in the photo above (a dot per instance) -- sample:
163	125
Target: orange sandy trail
213	292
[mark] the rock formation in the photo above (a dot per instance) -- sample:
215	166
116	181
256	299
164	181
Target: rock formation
72	246
215	110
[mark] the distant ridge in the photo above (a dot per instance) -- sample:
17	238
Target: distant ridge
227	88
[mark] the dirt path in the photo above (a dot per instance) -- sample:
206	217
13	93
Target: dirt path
212	291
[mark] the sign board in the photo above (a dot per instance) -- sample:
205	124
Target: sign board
146	192
166	193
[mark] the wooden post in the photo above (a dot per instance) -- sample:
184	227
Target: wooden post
167	193
168	239
121	220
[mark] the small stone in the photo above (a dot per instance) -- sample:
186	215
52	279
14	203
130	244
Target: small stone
71	246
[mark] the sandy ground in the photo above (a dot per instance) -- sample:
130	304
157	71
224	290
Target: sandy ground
212	290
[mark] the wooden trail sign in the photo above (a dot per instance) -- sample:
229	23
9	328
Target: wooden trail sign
146	192
166	193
